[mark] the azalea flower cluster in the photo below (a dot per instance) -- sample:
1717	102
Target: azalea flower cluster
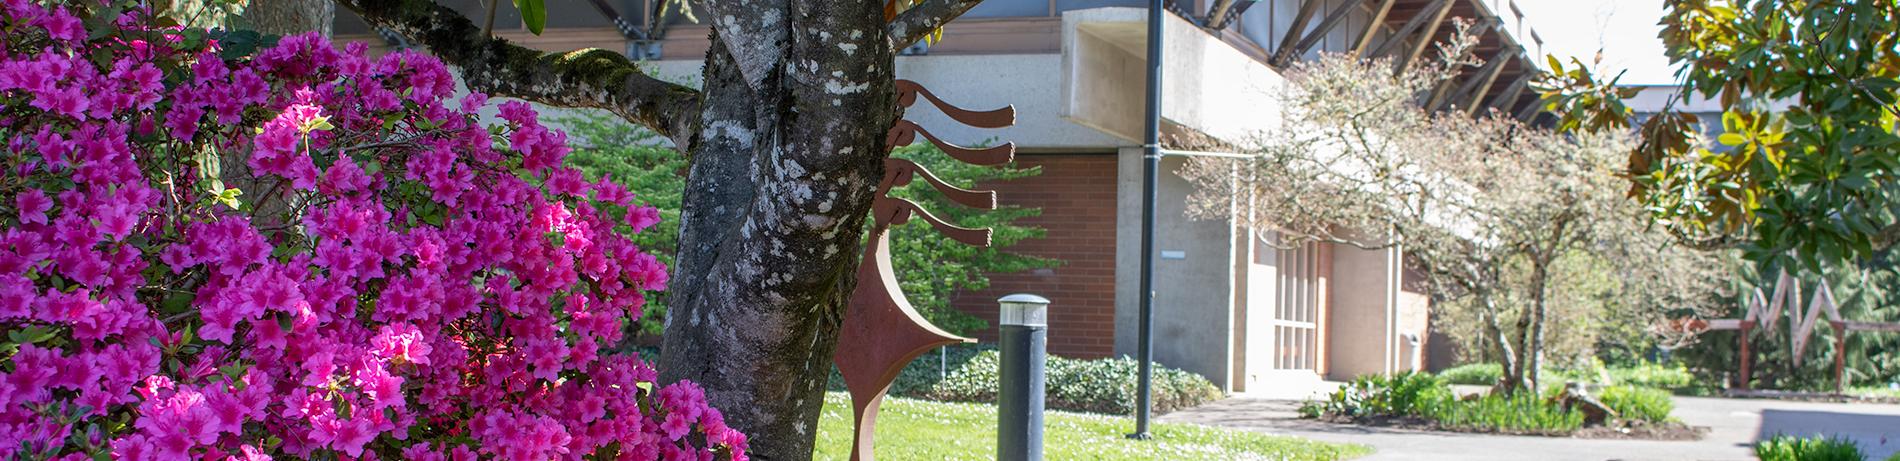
209	252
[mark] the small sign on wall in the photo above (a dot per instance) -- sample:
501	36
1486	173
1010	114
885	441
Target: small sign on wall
1173	254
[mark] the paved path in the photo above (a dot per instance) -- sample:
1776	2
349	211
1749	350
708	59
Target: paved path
1734	425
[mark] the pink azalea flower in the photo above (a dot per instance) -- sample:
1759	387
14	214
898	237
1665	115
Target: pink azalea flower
32	205
401	343
249	453
61	25
640	218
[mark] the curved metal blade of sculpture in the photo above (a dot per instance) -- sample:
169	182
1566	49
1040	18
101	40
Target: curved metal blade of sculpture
882	332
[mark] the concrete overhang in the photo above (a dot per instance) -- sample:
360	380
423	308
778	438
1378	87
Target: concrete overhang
1207	86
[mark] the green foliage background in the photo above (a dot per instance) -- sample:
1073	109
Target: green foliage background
930	267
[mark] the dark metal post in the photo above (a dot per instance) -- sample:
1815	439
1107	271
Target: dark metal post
1840	357
1150	171
1023	335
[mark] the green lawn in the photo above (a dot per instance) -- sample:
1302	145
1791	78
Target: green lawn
920	429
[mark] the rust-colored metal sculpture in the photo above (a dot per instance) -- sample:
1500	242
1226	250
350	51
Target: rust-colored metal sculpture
882	332
1801	321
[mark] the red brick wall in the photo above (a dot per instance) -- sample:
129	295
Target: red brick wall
1077	197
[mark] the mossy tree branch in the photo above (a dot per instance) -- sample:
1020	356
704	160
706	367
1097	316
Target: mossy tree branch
590	78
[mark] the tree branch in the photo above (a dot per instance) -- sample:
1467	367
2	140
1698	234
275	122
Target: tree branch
590	78
1886	237
923	19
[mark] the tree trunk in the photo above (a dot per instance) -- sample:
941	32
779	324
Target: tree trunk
1521	376
285	17
1507	358
782	179
1540	278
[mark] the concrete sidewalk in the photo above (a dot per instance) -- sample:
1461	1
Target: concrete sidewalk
1735	424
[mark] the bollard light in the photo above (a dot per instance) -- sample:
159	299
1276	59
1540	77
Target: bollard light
1023	337
1025	309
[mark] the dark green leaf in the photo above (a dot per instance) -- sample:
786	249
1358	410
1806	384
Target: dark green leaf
534	14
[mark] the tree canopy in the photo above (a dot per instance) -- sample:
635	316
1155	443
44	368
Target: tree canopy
1813	184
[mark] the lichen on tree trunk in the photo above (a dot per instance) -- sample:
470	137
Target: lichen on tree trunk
284	17
782	177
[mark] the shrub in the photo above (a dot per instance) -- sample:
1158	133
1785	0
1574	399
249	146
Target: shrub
607	148
920	376
1790	448
1523	414
1475	374
1638	403
1647	374
1402	394
1426	396
1654	375
212	250
1092	385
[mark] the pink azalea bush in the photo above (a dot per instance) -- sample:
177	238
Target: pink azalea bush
210	253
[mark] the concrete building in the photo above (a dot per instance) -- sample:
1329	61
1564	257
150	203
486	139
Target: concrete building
1229	305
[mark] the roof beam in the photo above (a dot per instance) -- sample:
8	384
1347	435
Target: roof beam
1219	13
1372	27
1392	41
1529	110
1307	9
1504	100
1438	94
1425	37
1477	93
1332	20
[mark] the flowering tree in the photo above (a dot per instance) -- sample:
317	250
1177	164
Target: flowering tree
392	278
1485	206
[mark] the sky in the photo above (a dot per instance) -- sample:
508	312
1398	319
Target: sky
1624	29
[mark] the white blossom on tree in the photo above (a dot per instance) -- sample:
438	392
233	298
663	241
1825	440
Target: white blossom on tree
1485	206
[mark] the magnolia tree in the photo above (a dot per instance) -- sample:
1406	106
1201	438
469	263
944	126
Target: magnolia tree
1485	206
1810	187
395	279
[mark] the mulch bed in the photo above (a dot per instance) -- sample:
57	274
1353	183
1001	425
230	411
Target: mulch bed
1640	430
1633	430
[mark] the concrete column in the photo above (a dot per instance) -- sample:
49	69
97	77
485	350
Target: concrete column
1194	278
1364	326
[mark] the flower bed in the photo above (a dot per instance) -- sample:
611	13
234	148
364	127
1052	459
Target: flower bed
1424	401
